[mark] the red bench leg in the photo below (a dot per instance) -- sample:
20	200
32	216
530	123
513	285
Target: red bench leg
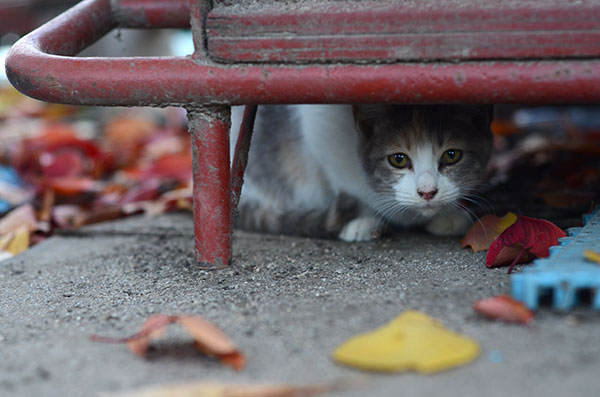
209	127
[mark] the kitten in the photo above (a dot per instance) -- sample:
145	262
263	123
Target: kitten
347	171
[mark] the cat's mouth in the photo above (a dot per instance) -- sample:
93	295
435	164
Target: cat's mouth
429	209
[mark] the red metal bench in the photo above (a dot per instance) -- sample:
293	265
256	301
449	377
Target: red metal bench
264	51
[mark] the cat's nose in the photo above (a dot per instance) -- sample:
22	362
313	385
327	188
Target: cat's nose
427	195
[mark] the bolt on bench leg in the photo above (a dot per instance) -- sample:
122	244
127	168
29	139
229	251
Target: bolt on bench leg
209	128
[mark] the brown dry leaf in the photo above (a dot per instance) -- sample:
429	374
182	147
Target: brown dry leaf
483	233
153	328
504	308
126	137
209	339
81	218
205	389
128	131
212	341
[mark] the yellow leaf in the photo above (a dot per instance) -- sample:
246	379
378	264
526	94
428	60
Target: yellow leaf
592	256
412	341
19	241
506	221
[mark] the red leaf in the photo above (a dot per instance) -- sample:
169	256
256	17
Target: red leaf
147	190
534	237
71	186
59	153
504	308
171	166
66	163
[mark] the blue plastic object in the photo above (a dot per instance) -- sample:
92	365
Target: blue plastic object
10	178
565	278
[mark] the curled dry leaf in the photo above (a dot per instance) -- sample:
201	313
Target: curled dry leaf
483	233
526	239
504	308
209	339
205	389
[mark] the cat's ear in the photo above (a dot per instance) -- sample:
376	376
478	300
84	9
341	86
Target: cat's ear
480	116
366	117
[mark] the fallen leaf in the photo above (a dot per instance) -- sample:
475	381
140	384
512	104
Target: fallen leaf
592	256
153	328
64	215
483	233
58	152
146	190
19	241
126	137
171	166
128	131
209	339
412	340
206	389
505	308
81	218
525	239
504	128
72	186
20	216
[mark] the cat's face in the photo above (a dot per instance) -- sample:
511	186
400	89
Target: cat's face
421	160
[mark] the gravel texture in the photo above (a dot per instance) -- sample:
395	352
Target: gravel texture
288	302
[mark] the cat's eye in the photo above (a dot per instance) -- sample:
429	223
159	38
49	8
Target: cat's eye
451	156
399	160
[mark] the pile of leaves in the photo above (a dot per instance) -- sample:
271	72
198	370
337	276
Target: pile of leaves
64	167
547	167
512	239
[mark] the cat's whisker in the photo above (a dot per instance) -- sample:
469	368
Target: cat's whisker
472	215
467	211
480	202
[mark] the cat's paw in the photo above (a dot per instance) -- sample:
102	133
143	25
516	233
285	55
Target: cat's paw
364	228
452	224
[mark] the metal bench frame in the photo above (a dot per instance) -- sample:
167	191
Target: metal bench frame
43	65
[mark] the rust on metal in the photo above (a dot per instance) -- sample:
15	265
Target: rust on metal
152	14
162	81
209	129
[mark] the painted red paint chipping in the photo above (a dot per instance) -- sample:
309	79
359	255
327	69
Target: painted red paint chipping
408	31
209	127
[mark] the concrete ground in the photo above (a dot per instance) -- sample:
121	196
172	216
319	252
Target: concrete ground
288	302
